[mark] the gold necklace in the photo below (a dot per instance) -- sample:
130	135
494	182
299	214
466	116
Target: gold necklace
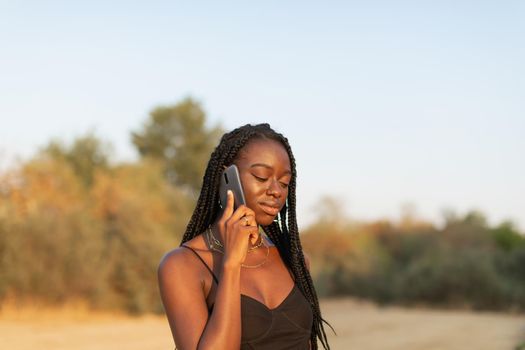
216	245
261	263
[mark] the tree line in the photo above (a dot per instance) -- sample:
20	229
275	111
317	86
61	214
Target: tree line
464	264
77	226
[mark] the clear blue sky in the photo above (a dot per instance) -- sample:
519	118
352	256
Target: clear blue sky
384	102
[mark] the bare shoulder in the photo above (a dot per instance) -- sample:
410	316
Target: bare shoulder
180	257
172	262
180	280
179	262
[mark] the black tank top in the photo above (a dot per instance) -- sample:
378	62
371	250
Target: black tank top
287	326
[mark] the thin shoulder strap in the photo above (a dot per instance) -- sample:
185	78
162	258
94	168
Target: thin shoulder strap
198	256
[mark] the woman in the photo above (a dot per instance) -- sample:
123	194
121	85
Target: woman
240	278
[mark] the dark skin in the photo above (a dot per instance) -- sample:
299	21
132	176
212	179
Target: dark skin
186	286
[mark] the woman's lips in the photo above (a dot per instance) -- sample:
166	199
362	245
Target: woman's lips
269	209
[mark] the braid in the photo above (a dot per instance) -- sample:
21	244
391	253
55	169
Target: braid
292	253
207	205
285	236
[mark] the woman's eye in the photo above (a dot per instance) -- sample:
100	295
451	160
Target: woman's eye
284	185
261	179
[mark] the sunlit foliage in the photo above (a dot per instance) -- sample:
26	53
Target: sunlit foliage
464	264
74	225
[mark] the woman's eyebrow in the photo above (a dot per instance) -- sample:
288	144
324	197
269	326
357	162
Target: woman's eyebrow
268	167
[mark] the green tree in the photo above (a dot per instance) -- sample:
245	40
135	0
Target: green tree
142	216
85	155
507	236
48	240
178	136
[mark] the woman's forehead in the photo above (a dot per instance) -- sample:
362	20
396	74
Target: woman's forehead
264	151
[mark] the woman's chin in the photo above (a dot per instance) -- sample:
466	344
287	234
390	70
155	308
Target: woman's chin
265	220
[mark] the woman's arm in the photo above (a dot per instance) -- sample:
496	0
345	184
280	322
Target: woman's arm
183	295
185	304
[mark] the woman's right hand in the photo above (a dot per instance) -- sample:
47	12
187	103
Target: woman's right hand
237	228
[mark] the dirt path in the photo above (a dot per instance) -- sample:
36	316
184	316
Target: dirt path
360	326
368	327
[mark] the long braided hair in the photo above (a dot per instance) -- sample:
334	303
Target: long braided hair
283	233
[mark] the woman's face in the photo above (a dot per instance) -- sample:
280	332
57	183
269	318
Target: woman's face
264	168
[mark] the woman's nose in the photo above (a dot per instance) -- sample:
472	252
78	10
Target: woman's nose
274	189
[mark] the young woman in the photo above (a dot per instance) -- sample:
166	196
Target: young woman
240	279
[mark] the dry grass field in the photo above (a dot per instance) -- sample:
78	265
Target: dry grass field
361	326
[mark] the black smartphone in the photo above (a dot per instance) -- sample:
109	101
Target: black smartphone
230	180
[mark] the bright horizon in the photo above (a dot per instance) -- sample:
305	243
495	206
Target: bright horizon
384	104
